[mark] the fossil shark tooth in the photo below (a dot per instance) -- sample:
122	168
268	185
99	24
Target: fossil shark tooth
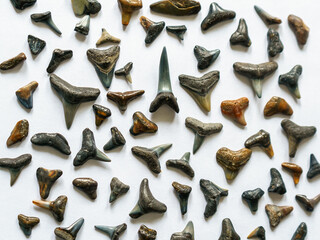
300	29
27	223
81	7
200	88
146	233
212	193
107	38
56	207
141	124
228	231
55	140
125	71
101	113
179	31
232	161
176	7
46	179
266	17
252	198
290	80
147	203
262	140
19	132
122	99
277	105
165	94
295	169
25	94
235	109
72	96
308	204
151	155
314	169
89	150
183	192
241	35
36	45
127	7
296	134
113	232
216	15
277	184
83	26
182	164
255	73
153	29
186	234
46	19
301	232
69	233
117	140
275	45
259	233
104	62
58	56
13	62
118	188
277	213
22	4
15	165
205	57
86	185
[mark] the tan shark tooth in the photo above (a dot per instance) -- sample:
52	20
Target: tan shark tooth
277	213
107	38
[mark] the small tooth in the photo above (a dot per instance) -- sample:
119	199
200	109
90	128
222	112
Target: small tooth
153	29
266	17
25	94
275	45
277	184
314	169
117	140
179	31
308	204
262	140
295	169
58	56
183	192
205	57
235	109
122	99
118	188
81	7
46	179
252	198
127	7
290	80
46	19
182	164
142	125
300	29
101	113
125	71
106	38
277	105
186	234
241	36
146	233
276	213
259	233
13	62
36	45
69	233
55	140
22	4
83	26
86	185
27	223
113	232
301	232
19	132
176	7
228	231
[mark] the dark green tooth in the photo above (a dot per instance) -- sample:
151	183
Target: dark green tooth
290	80
36	45
69	233
252	198
46	19
113	232
183	192
27	223
118	188
179	31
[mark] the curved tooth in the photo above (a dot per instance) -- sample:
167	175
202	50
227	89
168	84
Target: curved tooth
275	45
295	169
266	17
308	204
182	164
153	29
141	124
277	184
36	45
261	139
46	178
55	140
69	232
46	19
301	232
300	29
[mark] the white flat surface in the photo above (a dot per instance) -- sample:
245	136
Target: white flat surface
47	116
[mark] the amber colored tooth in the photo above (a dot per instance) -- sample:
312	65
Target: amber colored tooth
101	113
122	99
27	223
235	109
127	7
46	179
19	132
276	213
295	169
277	105
301	232
25	94
142	125
300	29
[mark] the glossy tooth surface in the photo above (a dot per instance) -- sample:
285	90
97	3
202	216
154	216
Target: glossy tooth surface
314	169
200	88
81	7
46	19
290	80
275	45
182	164
296	134
301	232
118	188
69	233
153	29
146	233
235	109
113	232
36	45
122	99
266	17
277	213
151	155
125	71
141	124
46	179
117	140
241	35
101	113
176	7
147	203
107	38
179	31
58	56
252	198
258	233
186	234
228	232
295	169
22	4
13	62
25	94
262	140
27	223
183	192
308	204
127	7
205	57
300	29
55	140
277	105
83	26
277	184
19	132
86	185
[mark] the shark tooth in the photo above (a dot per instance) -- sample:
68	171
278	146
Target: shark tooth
58	56
83	26
56	207
266	17
235	109
252	198
277	105
308	204
27	223
122	99
186	234
241	36
232	161
22	4
104	62
25	94
147	203
259	233
314	169
153	29
69	233
176	7
55	140
183	192
205	57
118	188
301	232
179	31
125	71
36	45
15	165
262	140
151	155
228	231
86	185
295	169
296	134
19	132
290	80
127	7
146	233
212	193
113	232
89	150
107	38
13	62
165	94
141	124
299	28
100	113
277	213
216	15
182	164
277	184
275	45
117	140
81	7
46	179
46	19
255	73
200	88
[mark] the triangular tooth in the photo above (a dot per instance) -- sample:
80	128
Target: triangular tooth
187	233
113	232
83	26
182	164
69	112
228	231
153	29
118	188
87	185
277	105
252	198
101	113
127	7
58	56
27	223
141	124
183	192
301	232
179	31
277	184
266	17
107	38
117	140
46	179
290	80
259	232
314	169
46	19
205	57
19	132
71	231
25	94
276	213
241	36
36	45
235	109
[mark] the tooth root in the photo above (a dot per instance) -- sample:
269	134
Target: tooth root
118	188
176	7
259	232
46	178
58	56
276	213
122	99
228	231
106	38
261	139
314	168
71	231
27	223
301	232
146	233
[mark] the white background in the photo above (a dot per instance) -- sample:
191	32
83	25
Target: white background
47	116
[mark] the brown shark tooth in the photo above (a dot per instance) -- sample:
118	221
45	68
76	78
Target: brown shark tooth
277	105
295	169
301	232
13	62
232	161
186	234
308	204
277	184
122	99
266	17
69	233
259	233
117	140
277	213
46	179
146	233
142	125
261	139
25	94
153	29
86	185
300	29
125	71
107	38
176	7
183	192
241	36
101	113
127	7
296	134
235	109
182	164
58	56
27	223
314	169
19	132
118	188
228	232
